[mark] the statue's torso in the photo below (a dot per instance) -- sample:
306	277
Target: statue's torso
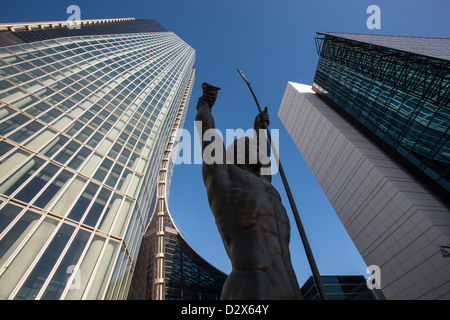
252	221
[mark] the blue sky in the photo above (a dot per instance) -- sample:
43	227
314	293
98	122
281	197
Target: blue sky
273	43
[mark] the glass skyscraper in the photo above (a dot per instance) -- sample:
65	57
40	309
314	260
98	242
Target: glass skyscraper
85	118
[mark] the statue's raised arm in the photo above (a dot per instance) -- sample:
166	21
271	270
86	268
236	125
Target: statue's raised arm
205	125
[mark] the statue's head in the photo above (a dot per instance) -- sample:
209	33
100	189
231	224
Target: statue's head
244	151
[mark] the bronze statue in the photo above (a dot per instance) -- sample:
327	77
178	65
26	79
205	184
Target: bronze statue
250	217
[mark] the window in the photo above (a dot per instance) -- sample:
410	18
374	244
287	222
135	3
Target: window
110	212
26	131
105	267
19	176
7	214
11	162
67	152
41	270
77	160
12	123
34	186
86	267
41	139
50	193
54	146
17	268
79	209
63	272
65	201
114	175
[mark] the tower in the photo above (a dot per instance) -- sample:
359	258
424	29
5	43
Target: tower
85	118
374	131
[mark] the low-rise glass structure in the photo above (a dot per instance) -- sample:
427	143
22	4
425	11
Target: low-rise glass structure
339	288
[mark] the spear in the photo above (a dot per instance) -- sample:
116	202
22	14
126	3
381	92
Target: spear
308	251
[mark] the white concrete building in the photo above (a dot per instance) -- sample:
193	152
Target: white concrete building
395	222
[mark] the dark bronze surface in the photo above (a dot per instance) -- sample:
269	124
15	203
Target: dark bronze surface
251	220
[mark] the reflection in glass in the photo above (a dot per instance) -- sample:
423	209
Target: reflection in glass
41	270
62	273
19	265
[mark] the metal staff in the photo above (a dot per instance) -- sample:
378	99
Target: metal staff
309	254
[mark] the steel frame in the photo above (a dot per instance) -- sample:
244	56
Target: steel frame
427	78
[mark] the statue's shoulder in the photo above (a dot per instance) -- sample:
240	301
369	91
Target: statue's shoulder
216	172
216	178
214	169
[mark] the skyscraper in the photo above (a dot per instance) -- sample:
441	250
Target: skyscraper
374	129
85	118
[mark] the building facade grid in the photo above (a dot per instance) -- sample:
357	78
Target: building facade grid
82	121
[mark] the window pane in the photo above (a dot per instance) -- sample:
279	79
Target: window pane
62	274
7	214
67	152
122	218
51	191
22	261
38	108
97	208
103	170
68	196
104	270
87	267
84	134
10	162
54	146
40	272
91	164
16	234
83	202
114	175
110	212
12	123
29	191
25	132
41	139
124	180
79	158
23	103
13	182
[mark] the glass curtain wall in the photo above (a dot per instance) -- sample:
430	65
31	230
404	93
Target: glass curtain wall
83	125
400	98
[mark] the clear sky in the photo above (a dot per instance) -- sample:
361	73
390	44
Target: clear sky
273	43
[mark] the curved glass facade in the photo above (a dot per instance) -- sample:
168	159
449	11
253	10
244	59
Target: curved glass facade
400	98
84	121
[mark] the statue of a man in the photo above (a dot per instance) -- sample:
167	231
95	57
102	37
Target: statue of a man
250	217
